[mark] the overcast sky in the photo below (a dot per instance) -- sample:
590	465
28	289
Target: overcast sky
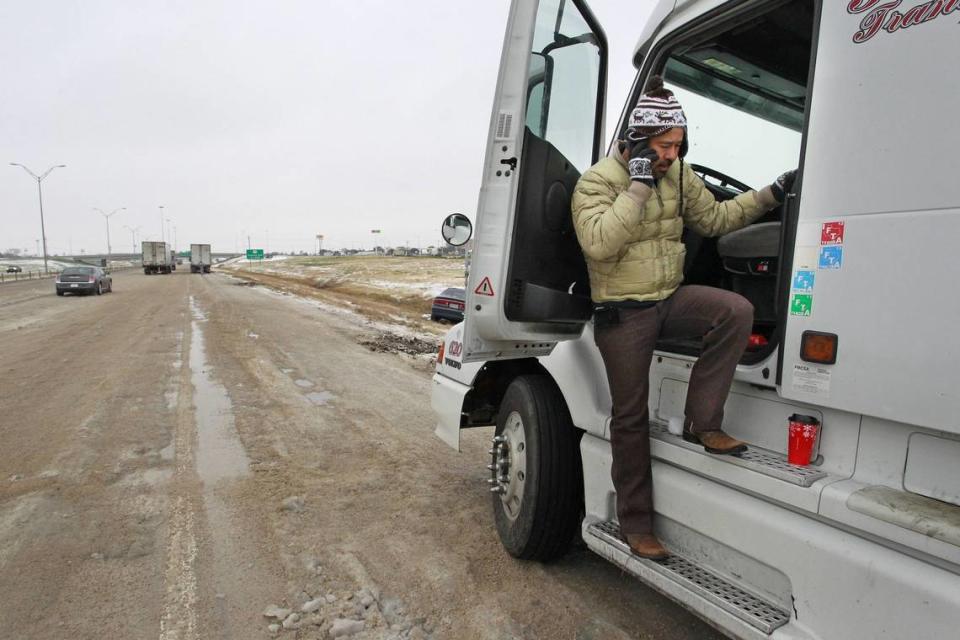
278	120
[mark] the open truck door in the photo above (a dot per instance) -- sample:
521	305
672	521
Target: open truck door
528	287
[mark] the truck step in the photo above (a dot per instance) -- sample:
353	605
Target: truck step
681	572
768	463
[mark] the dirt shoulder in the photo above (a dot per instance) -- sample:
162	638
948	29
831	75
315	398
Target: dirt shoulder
394	291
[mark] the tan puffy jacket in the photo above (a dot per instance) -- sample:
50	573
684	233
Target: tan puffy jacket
634	252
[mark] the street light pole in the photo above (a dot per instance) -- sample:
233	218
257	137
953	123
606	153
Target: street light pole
106	216
39	179
161	223
133	237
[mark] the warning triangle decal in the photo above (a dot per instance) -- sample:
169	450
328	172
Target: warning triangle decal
485	288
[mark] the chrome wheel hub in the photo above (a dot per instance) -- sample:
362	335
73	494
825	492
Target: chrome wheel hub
508	469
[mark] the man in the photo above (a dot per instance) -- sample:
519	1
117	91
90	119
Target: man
629	211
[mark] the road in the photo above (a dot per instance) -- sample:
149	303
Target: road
184	452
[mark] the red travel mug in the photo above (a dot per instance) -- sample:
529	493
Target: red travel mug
802	436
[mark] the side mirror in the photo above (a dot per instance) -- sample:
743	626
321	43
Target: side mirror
457	229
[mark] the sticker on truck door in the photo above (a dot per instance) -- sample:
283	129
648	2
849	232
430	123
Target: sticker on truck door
831	233
484	288
831	257
801	304
803	281
811	379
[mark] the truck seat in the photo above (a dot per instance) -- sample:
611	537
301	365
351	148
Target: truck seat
751	258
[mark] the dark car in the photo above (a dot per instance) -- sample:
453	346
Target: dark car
14	269
449	305
83	280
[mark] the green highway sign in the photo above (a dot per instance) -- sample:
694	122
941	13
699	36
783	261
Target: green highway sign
254	254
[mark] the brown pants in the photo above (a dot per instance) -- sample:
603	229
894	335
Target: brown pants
724	319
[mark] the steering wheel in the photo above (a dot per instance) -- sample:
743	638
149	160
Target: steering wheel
724	180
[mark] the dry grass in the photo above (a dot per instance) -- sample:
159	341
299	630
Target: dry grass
394	290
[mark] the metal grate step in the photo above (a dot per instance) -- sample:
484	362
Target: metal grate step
701	581
762	461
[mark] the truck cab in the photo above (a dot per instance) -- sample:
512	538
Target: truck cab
851	284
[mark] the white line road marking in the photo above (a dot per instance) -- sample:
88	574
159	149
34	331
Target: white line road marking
179	621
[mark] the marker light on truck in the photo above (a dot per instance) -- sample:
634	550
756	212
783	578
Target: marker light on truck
819	347
443	346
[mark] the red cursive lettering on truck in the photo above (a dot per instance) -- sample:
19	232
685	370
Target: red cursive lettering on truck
885	15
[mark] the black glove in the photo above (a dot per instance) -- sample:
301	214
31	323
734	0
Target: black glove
641	162
782	185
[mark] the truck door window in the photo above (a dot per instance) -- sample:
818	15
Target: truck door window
564	73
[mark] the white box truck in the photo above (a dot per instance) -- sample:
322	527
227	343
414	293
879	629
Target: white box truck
853	282
156	258
200	260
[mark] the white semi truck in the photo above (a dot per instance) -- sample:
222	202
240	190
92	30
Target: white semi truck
200	260
156	257
853	281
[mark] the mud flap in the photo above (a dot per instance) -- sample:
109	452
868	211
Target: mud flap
447	401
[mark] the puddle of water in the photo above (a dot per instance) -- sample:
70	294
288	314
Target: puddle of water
320	398
220	455
303	383
196	312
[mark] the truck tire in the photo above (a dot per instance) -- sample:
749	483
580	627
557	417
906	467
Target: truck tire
537	481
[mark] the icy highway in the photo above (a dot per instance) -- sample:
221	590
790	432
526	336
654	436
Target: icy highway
190	458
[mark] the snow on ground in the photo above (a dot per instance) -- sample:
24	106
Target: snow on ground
424	277
427	289
398	328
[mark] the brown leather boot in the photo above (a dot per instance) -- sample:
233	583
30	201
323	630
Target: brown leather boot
647	546
715	441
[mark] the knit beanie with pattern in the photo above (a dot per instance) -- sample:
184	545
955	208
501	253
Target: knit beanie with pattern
657	111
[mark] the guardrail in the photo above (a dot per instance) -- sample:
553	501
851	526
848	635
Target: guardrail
26	275
40	275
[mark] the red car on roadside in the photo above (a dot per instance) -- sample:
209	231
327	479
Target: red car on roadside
449	305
